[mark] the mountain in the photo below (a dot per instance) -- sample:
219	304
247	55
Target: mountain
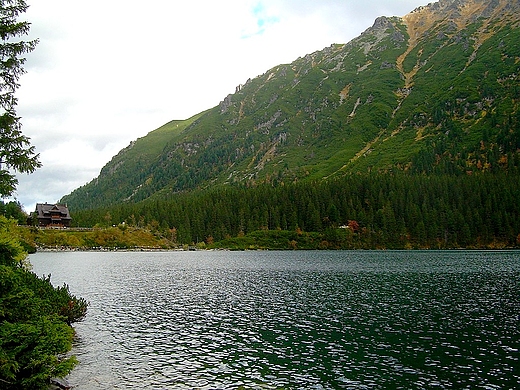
435	91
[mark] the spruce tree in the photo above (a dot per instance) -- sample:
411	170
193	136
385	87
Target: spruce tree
16	152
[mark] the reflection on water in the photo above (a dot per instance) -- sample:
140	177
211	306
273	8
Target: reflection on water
323	320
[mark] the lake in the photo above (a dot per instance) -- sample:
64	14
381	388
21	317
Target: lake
296	320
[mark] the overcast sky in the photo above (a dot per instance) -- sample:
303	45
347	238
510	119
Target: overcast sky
107	72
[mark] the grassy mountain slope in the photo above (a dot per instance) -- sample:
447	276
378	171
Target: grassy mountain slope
127	172
434	91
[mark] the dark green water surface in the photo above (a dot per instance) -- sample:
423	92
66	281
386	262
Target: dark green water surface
295	320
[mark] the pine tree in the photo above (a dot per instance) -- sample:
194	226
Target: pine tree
16	152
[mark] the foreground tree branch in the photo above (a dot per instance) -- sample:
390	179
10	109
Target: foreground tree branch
16	152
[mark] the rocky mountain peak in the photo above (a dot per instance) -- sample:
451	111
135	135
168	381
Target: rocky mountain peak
461	11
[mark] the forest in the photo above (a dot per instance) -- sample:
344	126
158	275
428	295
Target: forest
384	211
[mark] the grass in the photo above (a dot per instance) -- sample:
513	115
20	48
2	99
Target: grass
120	237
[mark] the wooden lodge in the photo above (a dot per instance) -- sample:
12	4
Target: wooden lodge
52	215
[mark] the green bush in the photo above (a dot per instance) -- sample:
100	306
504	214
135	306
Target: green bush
35	318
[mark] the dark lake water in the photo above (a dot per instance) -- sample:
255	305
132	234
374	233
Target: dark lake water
295	320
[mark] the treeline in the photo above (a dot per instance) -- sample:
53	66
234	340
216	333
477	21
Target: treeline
13	210
35	319
381	211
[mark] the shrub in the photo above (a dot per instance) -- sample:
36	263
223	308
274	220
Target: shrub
35	318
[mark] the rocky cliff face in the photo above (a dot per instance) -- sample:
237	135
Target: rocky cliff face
450	18
434	91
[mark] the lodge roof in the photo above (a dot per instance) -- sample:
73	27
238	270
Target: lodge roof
44	210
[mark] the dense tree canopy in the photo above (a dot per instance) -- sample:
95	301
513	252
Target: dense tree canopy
16	152
382	211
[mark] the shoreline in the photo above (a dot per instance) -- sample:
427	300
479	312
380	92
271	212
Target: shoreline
194	249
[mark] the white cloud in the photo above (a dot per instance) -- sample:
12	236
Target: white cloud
108	72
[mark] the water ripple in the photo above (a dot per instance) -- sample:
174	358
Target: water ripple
321	320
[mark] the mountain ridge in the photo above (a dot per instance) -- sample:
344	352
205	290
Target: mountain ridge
435	90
